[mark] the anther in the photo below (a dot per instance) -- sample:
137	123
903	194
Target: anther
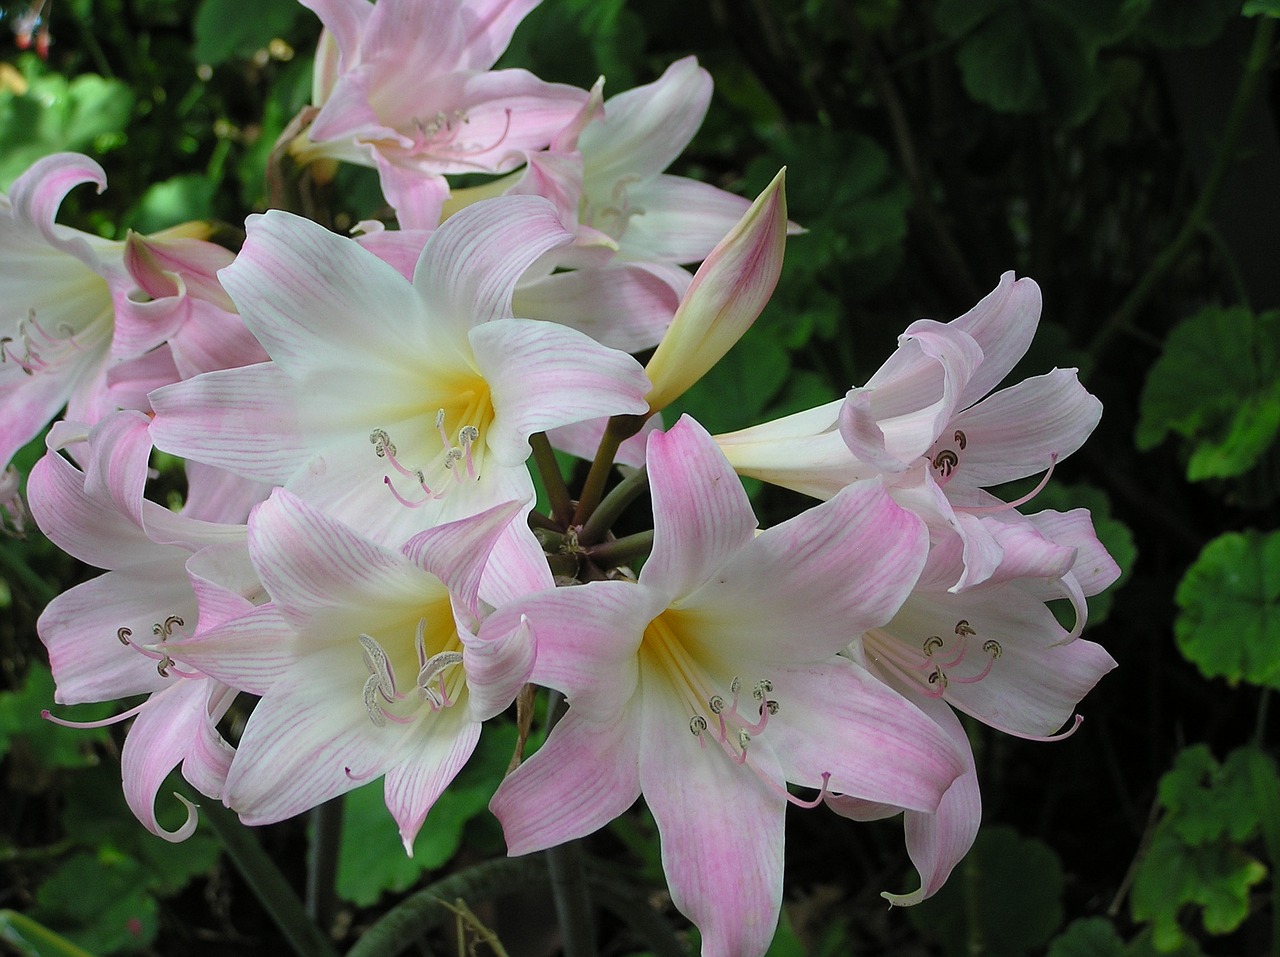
963	628
931	644
992	647
697	724
124	634
370	695
382	444
715	703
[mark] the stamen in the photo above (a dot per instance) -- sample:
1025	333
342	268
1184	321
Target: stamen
1017	502
371	705
102	723
375	659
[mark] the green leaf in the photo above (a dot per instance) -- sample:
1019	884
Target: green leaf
1217	384
56	114
179	199
1029	59
1013	887
230	28
1089	937
1261	8
371	858
1196	855
99	901
43	742
1229	609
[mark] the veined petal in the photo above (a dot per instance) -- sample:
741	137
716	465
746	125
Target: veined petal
314	298
428	759
1094	568
311	562
701	513
1026	428
345	20
587	639
720	828
457	552
161	737
497	667
242	420
36	195
310	739
681	219
625	306
836	718
249	652
647	127
542	375
1003	324
470	265
587	771
488	26
801	590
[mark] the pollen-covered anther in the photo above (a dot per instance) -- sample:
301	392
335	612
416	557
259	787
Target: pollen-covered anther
697	724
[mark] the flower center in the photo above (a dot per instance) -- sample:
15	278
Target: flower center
709	716
611	216
940	661
37	349
439	683
162	631
441	136
945	457
456	450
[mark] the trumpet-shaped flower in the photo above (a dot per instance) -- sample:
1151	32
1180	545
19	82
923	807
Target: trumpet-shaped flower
429	387
56	317
360	662
411	92
167	575
918	422
713	681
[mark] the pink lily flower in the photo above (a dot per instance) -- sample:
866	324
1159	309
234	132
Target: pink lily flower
395	405
167	575
411	92
56	283
695	686
919	423
361	658
995	652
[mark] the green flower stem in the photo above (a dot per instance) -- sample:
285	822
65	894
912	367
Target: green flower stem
267	883
1254	70
619	429
572	898
322	866
614	504
622	551
400	927
552	480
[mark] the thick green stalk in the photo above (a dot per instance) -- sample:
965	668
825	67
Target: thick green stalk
267	883
614	504
622	551
619	429
557	493
322	866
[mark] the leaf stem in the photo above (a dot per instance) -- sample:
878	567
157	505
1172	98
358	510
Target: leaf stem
267	883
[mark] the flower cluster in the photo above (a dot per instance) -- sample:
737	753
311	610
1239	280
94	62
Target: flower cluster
360	547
